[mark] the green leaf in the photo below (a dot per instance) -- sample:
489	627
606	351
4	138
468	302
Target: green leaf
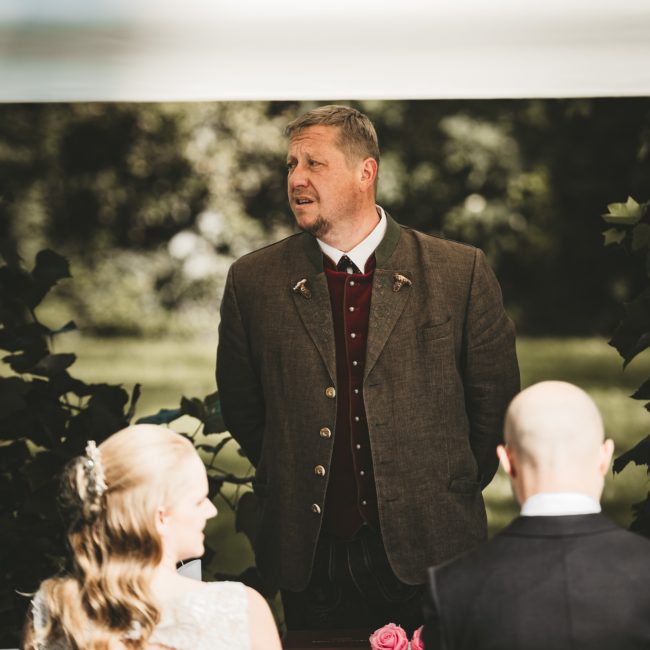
639	455
640	236
43	469
13	393
14	454
613	236
70	326
193	407
164	416
213	422
627	213
25	361
632	336
53	364
135	396
50	267
215	484
643	392
212	400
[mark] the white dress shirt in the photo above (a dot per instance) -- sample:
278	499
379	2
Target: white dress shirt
361	253
547	504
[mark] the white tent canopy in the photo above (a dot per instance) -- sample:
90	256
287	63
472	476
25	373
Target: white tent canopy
162	50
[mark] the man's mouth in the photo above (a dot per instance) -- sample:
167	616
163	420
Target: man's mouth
302	201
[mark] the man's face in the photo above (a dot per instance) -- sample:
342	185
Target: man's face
323	186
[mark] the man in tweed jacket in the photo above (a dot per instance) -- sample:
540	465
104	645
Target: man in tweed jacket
364	368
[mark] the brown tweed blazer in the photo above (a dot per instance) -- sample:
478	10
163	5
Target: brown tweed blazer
440	370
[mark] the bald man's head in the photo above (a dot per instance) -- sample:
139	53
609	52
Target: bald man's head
555	434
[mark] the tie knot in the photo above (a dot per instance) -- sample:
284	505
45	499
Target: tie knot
346	265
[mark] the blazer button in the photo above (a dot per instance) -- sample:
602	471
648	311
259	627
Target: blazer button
325	432
319	470
330	392
315	508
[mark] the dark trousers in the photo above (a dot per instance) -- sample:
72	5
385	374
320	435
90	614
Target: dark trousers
352	586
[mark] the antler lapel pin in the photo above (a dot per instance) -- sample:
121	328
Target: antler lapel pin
303	289
399	281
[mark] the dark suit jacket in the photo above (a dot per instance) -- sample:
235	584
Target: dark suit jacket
440	371
545	583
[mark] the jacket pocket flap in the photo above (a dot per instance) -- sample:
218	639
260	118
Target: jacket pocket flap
436	331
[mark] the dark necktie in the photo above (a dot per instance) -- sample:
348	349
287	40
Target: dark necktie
346	265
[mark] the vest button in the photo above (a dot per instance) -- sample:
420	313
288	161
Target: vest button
319	470
330	392
325	432
315	508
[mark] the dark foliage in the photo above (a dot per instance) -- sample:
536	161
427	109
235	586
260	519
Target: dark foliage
631	229
46	418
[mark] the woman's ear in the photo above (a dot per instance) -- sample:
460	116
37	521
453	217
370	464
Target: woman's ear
161	522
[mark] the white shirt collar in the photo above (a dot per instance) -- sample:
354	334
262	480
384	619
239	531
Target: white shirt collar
361	253
559	503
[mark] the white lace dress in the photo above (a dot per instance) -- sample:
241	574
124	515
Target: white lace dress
212	618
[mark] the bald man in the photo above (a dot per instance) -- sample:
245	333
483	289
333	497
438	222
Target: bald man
561	575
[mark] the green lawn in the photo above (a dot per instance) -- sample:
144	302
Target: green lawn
168	369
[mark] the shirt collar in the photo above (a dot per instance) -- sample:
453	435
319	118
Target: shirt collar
361	253
559	503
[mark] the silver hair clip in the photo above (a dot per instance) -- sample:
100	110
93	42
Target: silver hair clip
94	470
302	288
399	281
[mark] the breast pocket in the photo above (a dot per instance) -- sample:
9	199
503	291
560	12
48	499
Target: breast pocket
436	331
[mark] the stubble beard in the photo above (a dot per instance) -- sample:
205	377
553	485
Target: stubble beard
318	228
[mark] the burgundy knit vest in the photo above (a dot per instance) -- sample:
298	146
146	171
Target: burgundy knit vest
351	496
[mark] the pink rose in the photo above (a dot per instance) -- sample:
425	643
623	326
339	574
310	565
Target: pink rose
389	637
416	641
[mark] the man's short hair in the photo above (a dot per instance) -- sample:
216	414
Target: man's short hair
357	137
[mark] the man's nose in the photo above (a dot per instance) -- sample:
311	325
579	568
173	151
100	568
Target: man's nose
297	177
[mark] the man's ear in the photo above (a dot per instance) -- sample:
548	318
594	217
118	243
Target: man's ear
368	172
506	460
606	453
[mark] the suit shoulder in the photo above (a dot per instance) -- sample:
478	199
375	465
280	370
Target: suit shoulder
267	254
634	542
437	243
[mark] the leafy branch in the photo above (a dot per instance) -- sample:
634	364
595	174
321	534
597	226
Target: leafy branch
631	228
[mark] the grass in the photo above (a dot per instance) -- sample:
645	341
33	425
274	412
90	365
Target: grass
170	368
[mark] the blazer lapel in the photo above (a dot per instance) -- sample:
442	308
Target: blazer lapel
386	304
389	297
313	302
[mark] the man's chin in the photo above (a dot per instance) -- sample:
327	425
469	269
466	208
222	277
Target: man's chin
316	227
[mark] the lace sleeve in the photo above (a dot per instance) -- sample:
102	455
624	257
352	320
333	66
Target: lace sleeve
213	618
40	622
39	612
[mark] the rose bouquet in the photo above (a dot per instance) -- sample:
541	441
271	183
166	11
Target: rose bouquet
393	637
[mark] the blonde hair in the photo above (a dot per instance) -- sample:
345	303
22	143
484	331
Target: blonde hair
105	601
357	137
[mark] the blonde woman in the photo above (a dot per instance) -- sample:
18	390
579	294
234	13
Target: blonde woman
138	505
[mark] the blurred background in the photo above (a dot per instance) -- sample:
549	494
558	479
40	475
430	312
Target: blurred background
151	203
